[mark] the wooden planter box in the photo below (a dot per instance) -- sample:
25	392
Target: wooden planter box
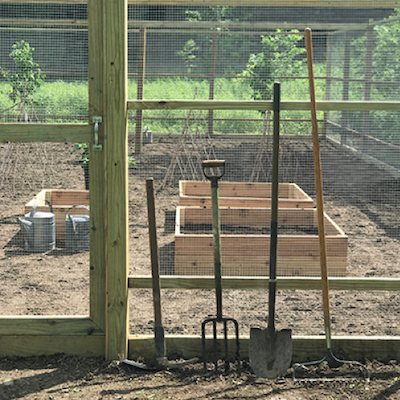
248	254
242	194
61	200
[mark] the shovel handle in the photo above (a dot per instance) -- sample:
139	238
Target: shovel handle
274	209
213	170
318	189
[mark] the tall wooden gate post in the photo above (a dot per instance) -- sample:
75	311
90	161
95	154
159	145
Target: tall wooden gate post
116	175
140	88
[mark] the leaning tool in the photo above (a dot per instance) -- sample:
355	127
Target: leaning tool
330	358
161	360
214	170
270	350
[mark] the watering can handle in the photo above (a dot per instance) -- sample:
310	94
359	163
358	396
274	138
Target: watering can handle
69	209
31	214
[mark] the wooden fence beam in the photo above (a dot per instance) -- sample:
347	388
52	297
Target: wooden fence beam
258	105
235	3
48	325
21	132
283	283
305	348
30	345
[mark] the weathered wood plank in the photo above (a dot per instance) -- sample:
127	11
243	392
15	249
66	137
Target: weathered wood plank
250	245
28	345
48	325
262	105
260	283
21	132
254	217
305	348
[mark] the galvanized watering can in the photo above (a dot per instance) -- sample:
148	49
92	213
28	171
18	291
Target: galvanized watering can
77	231
39	229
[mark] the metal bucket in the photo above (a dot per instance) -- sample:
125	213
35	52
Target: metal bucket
39	229
147	136
77	231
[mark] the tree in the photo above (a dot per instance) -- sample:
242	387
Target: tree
279	56
24	81
188	54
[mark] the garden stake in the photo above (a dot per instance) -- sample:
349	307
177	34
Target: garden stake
330	358
214	170
270	351
161	360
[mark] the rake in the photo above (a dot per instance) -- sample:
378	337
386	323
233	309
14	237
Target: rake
330	358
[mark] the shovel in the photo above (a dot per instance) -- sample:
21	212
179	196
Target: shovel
161	361
270	351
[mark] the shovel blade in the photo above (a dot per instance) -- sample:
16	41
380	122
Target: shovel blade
270	354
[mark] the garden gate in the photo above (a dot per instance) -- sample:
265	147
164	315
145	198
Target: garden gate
105	331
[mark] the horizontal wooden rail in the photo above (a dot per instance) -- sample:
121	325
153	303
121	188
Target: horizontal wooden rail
381	348
261	105
30	345
48	325
34	132
235	3
289	283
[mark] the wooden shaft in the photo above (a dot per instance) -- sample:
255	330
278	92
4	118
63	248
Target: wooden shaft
159	340
319	190
155	270
140	88
274	212
216	228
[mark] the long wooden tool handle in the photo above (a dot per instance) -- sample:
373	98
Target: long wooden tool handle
274	210
318	190
155	270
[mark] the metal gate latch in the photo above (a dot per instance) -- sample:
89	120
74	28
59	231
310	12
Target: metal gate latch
97	121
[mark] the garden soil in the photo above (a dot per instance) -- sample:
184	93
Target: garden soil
360	198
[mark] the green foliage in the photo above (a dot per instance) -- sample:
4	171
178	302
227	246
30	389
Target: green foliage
83	149
24	81
278	57
187	54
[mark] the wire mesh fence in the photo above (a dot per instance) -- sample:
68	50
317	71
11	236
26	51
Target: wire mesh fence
222	54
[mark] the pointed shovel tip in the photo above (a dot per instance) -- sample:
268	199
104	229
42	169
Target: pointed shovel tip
270	355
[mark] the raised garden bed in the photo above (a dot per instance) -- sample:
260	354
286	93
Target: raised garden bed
242	194
61	200
245	251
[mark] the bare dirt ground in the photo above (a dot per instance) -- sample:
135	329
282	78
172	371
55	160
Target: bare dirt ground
361	199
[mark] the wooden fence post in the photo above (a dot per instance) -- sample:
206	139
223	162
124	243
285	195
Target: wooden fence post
97	168
214	45
116	177
140	88
328	81
368	78
345	94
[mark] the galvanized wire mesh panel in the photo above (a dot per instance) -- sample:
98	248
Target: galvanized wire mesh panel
236	54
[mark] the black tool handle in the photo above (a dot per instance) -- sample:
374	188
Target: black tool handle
274	209
214	170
